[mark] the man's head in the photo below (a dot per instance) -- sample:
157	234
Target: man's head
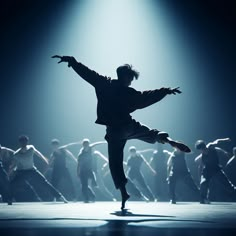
55	143
23	140
126	74
200	145
85	144
132	150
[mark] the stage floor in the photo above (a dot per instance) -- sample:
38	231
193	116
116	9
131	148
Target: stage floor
105	218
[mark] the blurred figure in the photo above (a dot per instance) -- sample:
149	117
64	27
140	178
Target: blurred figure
5	154
86	169
101	174
6	157
177	170
27	172
60	171
131	187
230	167
159	163
209	161
134	163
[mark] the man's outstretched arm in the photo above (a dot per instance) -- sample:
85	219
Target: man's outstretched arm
147	98
83	71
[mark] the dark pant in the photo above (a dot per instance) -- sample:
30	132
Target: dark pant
34	178
58	175
188	180
4	185
206	178
137	175
160	186
87	192
117	138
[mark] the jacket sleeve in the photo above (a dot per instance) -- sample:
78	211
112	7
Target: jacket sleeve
146	98
87	74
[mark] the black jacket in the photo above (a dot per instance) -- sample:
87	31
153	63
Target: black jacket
115	101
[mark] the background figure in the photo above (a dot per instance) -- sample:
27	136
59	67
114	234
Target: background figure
131	187
159	163
102	173
86	169
230	167
27	172
116	101
6	157
134	163
6	154
177	170
60	171
209	161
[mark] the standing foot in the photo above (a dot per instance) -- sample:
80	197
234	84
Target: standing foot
125	197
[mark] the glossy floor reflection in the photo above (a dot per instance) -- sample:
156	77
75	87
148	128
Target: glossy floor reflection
105	218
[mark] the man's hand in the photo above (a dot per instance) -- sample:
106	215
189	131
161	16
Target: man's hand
173	90
64	59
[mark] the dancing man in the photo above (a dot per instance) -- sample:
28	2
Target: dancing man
210	168
86	169
26	170
60	170
116	100
177	170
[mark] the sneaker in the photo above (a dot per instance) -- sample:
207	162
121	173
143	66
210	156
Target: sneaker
9	203
93	199
172	202
205	201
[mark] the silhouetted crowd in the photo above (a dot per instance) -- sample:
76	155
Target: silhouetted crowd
152	173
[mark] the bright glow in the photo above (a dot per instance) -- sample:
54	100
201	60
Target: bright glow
103	35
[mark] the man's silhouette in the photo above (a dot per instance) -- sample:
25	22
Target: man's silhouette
27	172
210	168
134	173
177	170
116	100
60	169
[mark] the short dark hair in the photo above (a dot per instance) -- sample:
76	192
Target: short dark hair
55	141
132	149
200	144
126	70
85	141
23	138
